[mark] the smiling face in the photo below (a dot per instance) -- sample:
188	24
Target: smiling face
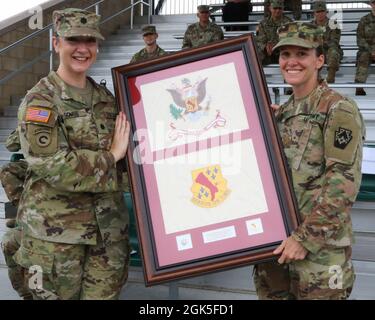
77	54
300	67
203	16
150	38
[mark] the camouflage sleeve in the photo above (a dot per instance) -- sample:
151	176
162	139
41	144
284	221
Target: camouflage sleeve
13	142
334	37
186	43
134	58
49	157
219	34
329	222
361	38
261	37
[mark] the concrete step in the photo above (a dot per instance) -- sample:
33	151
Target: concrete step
3	148
108	55
5	155
364	247
8	123
3	196
177	19
133	49
163	31
110	63
128	38
140	43
10	111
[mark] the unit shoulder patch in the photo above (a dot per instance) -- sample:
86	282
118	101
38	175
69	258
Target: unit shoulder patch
342	138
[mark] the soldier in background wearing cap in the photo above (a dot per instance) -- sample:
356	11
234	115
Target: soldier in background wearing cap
366	47
294	5
266	35
322	134
72	213
332	50
203	31
152	50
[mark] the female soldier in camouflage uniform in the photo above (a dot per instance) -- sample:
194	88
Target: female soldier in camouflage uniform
322	134
72	212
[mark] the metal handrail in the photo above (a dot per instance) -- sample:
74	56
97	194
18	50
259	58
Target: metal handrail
126	9
159	6
50	28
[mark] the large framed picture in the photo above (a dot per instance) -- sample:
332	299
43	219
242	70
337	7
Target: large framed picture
209	182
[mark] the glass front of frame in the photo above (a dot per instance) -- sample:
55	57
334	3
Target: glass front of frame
207	174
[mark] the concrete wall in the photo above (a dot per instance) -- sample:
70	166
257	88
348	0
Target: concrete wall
15	58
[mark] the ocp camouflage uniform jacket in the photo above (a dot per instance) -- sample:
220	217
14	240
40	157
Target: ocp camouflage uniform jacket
196	36
331	37
322	139
267	31
366	33
74	188
144	55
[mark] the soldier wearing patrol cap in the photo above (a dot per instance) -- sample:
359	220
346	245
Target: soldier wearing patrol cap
366	47
152	50
294	5
266	34
202	32
72	212
322	134
331	40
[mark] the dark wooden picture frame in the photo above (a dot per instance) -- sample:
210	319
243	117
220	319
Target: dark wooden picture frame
171	250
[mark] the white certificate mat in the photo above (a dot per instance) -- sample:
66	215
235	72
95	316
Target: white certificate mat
213	110
244	188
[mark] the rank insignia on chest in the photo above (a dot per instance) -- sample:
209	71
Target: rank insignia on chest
342	138
37	114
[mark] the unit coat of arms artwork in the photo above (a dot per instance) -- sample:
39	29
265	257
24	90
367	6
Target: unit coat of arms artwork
209	183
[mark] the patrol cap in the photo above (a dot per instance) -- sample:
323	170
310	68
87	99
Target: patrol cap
300	34
277	4
320	6
74	22
148	30
203	8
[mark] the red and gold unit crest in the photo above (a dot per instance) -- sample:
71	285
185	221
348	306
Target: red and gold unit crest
209	187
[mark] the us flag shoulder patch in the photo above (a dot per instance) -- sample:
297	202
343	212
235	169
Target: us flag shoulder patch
37	114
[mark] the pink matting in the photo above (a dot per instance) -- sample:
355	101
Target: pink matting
273	226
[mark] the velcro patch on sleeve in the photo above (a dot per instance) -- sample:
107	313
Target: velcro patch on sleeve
342	137
37	114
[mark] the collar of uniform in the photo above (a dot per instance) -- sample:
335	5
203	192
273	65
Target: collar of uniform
326	22
100	94
67	94
309	103
207	27
277	21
